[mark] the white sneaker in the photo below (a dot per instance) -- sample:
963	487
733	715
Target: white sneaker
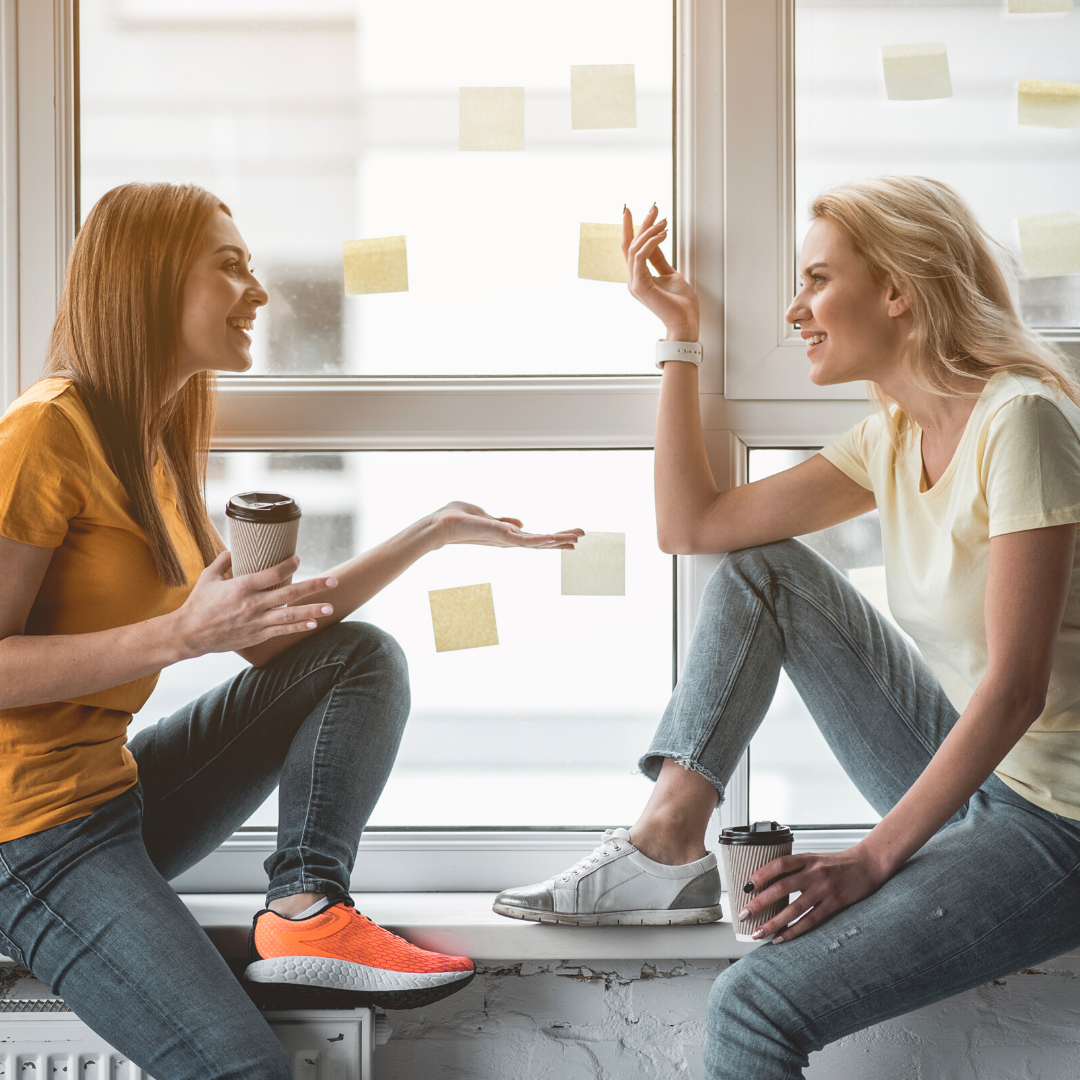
617	886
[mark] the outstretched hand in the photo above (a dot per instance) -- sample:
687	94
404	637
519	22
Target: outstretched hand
667	294
463	523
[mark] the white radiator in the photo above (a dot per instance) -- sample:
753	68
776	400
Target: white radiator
40	1038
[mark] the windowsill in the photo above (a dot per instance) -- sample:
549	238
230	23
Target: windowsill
463	924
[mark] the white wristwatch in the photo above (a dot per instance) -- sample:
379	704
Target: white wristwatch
688	351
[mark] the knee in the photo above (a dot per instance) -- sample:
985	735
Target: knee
761	568
745	1023
374	653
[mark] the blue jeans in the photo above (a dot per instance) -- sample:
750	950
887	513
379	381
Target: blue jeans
995	890
87	905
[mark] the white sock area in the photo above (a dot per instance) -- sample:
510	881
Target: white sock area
319	905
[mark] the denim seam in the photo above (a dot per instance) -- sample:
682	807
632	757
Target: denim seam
119	973
854	646
947	959
311	789
725	693
247	727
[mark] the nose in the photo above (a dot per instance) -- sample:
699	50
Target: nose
797	310
256	293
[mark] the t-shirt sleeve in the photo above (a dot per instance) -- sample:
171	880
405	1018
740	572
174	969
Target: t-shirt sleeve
1031	467
851	452
44	474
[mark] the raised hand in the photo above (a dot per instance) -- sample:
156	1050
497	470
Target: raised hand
666	293
463	523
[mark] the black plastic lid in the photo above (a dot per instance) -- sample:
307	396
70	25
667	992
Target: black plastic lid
265	506
761	832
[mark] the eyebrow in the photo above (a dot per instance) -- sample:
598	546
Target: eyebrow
814	266
232	247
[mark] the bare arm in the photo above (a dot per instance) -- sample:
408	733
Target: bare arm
692	515
1027	584
40	668
359	579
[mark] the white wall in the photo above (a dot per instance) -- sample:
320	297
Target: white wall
620	1020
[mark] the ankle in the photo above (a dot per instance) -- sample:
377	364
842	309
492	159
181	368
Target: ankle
667	845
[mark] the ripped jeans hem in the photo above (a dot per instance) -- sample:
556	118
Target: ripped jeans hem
651	763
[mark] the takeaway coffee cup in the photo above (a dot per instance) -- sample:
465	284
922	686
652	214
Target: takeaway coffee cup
262	530
744	849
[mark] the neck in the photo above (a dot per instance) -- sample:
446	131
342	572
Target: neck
936	414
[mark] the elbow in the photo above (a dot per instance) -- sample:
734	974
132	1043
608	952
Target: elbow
675	542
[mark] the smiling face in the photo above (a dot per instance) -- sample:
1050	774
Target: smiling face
221	296
854	327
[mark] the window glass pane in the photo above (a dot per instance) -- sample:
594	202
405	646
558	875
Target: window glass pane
542	729
847	128
324	121
794	777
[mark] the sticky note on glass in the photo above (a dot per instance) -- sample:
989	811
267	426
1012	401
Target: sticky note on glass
463	618
600	256
916	72
1028	7
491	118
1042	103
374	266
602	96
596	566
1050	244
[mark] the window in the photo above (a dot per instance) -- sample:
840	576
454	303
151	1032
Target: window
494	738
335	121
846	127
328	120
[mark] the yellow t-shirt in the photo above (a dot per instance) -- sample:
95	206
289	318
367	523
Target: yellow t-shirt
1017	467
60	761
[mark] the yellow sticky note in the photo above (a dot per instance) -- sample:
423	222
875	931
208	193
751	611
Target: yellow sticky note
1050	244
1042	103
491	118
596	566
463	618
600	256
373	266
1028	7
602	96
916	72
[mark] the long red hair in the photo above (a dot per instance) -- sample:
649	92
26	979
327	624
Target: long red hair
116	337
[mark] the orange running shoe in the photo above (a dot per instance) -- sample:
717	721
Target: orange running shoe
338	957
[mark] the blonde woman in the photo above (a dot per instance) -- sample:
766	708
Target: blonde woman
110	570
969	746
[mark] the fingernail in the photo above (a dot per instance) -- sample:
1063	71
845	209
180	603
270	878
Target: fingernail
758	933
744	914
331	582
326	609
776	941
312	625
624	208
748	887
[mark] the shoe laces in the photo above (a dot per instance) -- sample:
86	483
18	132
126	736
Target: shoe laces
609	846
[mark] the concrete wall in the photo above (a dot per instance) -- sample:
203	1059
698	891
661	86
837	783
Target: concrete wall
621	1020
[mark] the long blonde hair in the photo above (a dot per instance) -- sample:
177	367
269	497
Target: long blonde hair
116	337
922	235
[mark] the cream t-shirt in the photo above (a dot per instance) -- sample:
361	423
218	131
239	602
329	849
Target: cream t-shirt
1017	467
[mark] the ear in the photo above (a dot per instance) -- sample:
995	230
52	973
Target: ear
896	299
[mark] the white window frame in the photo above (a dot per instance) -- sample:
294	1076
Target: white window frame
733	203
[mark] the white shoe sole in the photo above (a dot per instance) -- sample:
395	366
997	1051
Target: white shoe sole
326	974
646	917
